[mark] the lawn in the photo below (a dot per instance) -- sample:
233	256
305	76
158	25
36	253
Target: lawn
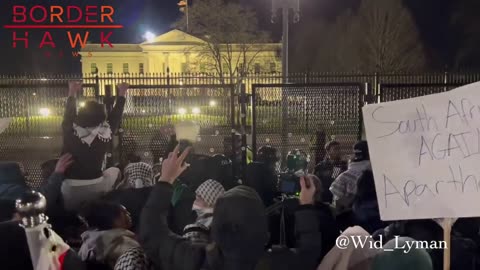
152	117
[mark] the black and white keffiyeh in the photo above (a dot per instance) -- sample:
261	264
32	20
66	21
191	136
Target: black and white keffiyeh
138	175
88	135
133	259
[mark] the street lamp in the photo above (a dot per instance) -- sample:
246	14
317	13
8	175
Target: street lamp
196	110
285	6
182	111
149	36
44	112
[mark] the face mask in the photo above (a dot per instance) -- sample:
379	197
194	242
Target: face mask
201	211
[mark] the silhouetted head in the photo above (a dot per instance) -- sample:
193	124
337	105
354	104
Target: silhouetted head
91	115
333	150
360	151
103	215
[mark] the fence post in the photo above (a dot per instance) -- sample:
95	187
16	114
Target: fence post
445	81
169	96
254	122
305	105
97	85
243	128
233	155
284	124
108	101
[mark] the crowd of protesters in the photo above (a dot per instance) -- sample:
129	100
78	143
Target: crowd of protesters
188	214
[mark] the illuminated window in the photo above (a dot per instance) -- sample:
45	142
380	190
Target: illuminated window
125	67
93	68
141	68
109	68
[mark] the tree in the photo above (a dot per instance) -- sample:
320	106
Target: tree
232	38
379	36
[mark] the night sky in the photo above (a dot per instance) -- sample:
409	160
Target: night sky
138	16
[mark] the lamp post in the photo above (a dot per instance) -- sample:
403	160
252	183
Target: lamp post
285	6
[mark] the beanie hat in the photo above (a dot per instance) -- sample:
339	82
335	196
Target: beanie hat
398	259
240	226
360	151
210	191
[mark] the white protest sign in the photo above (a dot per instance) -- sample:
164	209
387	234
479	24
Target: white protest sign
425	155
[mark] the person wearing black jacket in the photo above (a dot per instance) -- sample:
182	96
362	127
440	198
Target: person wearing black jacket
239	230
87	136
330	168
13	184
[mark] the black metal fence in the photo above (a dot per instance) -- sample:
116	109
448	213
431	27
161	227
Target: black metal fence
307	112
306	116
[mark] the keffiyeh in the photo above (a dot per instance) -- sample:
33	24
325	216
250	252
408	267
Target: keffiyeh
88	135
139	175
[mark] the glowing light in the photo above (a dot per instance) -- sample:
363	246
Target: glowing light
182	111
43	79
213	103
82	104
44	111
143	111
181	82
196	110
149	36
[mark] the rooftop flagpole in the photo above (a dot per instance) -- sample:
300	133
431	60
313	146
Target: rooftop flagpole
183	5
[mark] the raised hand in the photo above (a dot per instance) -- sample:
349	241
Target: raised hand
63	163
123	89
307	192
74	87
174	165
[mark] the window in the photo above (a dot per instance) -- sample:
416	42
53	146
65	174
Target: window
203	69
185	68
225	68
141	68
109	68
257	68
273	67
93	68
125	67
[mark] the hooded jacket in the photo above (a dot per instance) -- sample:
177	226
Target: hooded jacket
350	257
239	236
12	182
344	187
106	246
13	185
